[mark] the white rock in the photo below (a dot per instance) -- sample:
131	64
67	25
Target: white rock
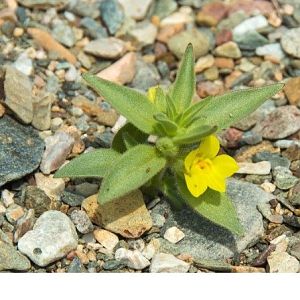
152	248
51	186
283	144
173	235
259	168
145	33
106	238
24	64
53	236
183	16
281	243
204	62
136	9
71	74
250	24
168	263
132	259
7	198
119	124
268	187
282	262
274	50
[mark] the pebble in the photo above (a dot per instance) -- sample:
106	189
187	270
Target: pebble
13	213
273	50
284	178
53	187
109	48
24	64
76	266
292	90
71	199
268	187
17	88
7	198
265	210
127	216
44	3
58	147
144	33
229	49
290	42
181	17
24	224
295	250
250	40
282	262
122	71
211	13
136	9
294	196
168	263
107	239
164	8
283	144
204	62
274	158
151	249
132	259
158	220
64	34
81	221
250	24
53	236
259	168
174	235
93	28
42	111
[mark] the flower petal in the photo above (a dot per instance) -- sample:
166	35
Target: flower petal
225	165
189	160
209	147
197	186
215	181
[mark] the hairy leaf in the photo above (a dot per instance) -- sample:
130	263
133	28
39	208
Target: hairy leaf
133	169
169	126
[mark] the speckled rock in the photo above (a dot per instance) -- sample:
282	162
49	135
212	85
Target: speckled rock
282	262
284	178
132	259
81	221
44	3
136	9
168	263
290	42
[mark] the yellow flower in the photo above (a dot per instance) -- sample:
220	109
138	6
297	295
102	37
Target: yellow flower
203	168
151	94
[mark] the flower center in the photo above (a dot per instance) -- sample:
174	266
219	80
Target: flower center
204	163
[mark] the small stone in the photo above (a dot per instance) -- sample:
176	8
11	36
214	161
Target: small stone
251	40
282	262
273	50
292	153
138	244
81	221
106	239
53	187
268	187
53	236
265	210
13	213
281	243
71	74
132	259
295	250
136	9
167	32
151	249
76	266
260	168
292	220
275	159
17	88
158	220
224	63
204	62
284	178
64	34
181	17
211	13
168	263
294	197
253	23
283	144
144	33
42	111
86	189
109	48
290	42
59	4
58	147
174	235
164	8
7	198
229	49
24	64
71	198
2	110
24	224
292	90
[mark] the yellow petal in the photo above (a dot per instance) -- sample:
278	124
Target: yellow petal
225	165
209	147
197	186
152	93
189	160
215	181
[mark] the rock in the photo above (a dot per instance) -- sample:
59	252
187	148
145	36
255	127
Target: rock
265	210
126	216
64	34
292	220
251	40
295	250
136	9
106	239
71	198
205	240
42	111
58	147
17	88
122	71
7	198
11	259
76	266
211	13
204	62
273	50
292	153
44	3
259	168
168	263
282	144
181	17
294	197
284	178
150	249
93	28
282	262
274	158
280	123
109	48
13	213
144	33
173	235
132	259
53	187
164	8
86	189
290	42
229	49
24	224
25	148
24	64
177	44
292	90
158	220
81	221
50	44
53	236
112	15
250	24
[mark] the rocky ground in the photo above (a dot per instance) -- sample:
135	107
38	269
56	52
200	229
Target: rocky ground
48	116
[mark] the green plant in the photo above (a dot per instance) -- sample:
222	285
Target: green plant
175	164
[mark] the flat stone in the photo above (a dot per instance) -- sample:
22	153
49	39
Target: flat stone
250	40
107	239
250	24
259	168
211	13
144	33
42	111
136	9
71	198
168	263
204	62
205	240
132	259
181	17
127	216
53	236
229	49
282	262
290	42
292	90
24	224
275	159
25	148
44	3
164	8
93	28
24	64
17	89
64	34
173	235
284	178
13	213
76	266
273	50
81	221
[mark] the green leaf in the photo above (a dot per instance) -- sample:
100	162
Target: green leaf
194	134
229	108
92	164
169	126
184	86
158	97
171	109
128	131
133	105
133	169
214	206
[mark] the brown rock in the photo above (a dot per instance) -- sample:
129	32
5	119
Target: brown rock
203	63
207	88
292	90
127	215
106	239
24	224
250	6
50	44
224	63
166	32
292	153
2	110
247	269
232	77
223	36
42	111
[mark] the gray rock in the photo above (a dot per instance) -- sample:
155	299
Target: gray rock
24	64
93	28
53	236
44	3
284	178
25	150
194	3
13	213
250	24
168	263
295	250
164	8
144	33
283	144
275	159
294	197
11	259
42	111
71	198
81	221
136	9
132	259
274	50
205	240
76	266
64	34
17	89
290	42
250	40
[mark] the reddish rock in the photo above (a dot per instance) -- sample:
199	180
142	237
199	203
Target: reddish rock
212	13
166	32
292	90
224	63
223	37
250	6
232	137
208	88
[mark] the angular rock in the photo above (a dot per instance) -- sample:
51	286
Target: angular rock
168	263
42	111
292	90
24	224
64	34
259	168
290	42
25	148
107	239
136	9
144	33
44	3
13	213
173	235
229	49
81	221
17	89
132	259
211	13
284	178
282	262
273	50
24	64
204	62
253	23
53	236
